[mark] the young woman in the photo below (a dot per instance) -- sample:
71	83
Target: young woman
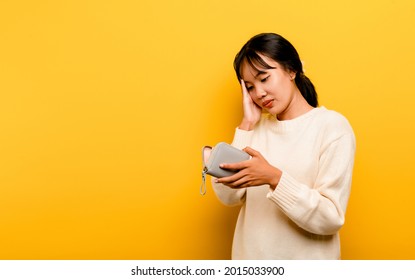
295	188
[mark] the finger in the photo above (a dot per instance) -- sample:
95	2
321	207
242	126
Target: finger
251	151
233	166
229	180
242	182
243	86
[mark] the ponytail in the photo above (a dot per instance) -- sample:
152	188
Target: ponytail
307	89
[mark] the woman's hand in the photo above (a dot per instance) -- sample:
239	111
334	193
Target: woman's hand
252	112
253	172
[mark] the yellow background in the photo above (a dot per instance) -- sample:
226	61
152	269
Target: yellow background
105	105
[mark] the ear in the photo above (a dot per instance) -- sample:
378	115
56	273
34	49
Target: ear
292	75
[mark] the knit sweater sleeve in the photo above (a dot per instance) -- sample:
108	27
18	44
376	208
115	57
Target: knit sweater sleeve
320	209
229	196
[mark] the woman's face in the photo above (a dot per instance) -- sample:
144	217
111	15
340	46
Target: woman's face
271	89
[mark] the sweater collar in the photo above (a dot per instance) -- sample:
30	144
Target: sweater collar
292	124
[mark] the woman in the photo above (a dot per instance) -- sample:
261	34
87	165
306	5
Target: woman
295	188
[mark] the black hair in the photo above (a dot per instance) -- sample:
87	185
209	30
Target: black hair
280	50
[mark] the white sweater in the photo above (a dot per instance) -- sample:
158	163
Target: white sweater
302	217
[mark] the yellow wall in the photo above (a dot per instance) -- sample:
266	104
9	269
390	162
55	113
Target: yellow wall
105	105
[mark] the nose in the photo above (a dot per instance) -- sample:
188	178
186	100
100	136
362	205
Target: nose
260	92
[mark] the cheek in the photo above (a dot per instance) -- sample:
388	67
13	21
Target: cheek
279	88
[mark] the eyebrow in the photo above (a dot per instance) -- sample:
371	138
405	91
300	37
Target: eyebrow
260	73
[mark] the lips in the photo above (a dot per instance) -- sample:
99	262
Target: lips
267	103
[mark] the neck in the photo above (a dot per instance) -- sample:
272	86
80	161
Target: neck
297	107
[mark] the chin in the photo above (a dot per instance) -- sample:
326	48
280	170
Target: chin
273	111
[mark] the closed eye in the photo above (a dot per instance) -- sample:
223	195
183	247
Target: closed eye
264	79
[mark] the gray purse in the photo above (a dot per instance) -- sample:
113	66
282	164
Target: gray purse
221	153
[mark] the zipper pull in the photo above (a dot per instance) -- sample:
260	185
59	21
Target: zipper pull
203	185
